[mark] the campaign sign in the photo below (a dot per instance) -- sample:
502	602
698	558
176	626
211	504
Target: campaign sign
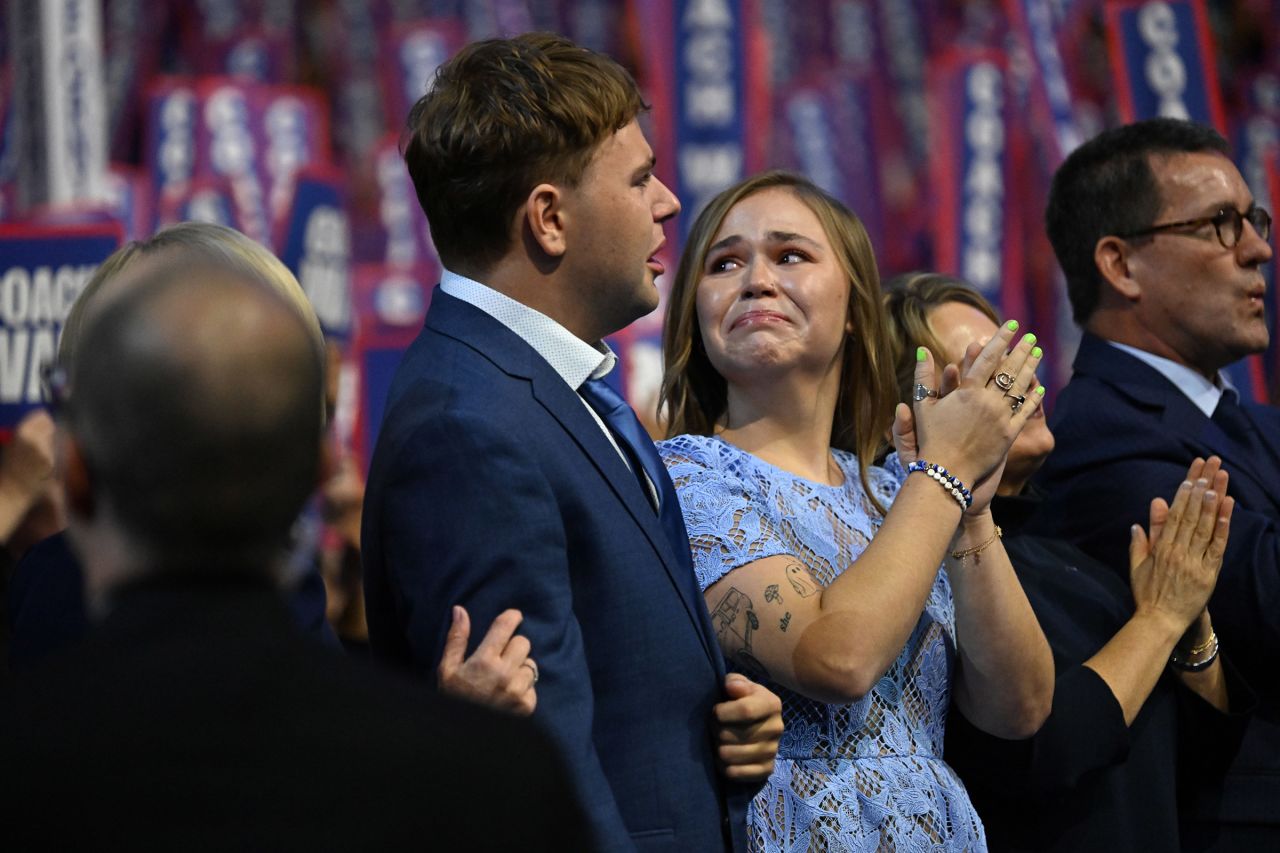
825	131
412	54
42	271
229	145
1162	56
293	124
406	234
391	305
316	245
1033	21
170	155
717	142
976	234
202	200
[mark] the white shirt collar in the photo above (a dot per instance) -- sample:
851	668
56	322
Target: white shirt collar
573	358
1202	393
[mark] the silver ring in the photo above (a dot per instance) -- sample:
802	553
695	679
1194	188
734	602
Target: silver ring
921	392
1018	400
1004	381
529	662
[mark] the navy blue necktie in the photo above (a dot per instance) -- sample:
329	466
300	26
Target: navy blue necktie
1231	419
638	447
631	435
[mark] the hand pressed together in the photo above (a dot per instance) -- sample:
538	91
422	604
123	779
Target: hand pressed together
1174	568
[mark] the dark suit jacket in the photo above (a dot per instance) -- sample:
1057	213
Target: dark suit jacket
197	718
1085	780
46	607
493	487
1125	435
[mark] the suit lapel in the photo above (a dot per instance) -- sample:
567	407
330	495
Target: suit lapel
1148	388
511	354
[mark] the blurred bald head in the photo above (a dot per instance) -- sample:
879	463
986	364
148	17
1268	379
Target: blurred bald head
193	415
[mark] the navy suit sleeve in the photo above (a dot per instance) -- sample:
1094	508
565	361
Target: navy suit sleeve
468	517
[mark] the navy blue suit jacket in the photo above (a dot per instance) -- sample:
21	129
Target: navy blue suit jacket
493	487
1125	435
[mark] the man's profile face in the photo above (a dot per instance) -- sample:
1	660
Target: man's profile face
1202	301
616	215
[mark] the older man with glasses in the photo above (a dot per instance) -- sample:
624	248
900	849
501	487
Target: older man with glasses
1163	246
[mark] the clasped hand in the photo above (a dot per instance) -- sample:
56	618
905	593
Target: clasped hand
1174	567
980	407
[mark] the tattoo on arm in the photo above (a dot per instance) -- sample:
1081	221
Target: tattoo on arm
801	581
784	622
734	620
772	595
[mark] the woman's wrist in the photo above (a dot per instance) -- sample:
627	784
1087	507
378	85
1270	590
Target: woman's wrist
1197	638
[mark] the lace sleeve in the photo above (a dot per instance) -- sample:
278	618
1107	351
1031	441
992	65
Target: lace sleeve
894	468
727	522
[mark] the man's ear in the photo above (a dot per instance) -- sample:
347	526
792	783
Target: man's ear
544	213
77	482
1113	258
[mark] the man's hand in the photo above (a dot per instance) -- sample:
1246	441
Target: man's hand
499	673
750	724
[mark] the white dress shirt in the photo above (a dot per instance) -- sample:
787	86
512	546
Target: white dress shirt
572	358
1202	393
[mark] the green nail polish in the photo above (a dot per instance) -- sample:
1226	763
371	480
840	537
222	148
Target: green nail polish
1012	325
919	353
1030	338
1037	352
1040	390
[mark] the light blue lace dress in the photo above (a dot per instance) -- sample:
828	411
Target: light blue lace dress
866	776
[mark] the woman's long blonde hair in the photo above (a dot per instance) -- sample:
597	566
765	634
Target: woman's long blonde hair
694	397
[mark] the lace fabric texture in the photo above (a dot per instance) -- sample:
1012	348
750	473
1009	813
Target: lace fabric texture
861	777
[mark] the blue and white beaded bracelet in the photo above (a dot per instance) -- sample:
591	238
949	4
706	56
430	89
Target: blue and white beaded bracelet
944	478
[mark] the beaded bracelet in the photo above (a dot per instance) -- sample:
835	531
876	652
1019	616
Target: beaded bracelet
952	484
1183	665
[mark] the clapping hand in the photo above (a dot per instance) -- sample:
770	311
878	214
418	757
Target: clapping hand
1174	567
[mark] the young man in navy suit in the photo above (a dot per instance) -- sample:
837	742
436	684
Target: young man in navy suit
508	475
1162	245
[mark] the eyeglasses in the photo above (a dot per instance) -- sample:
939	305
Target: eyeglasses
1228	222
54	379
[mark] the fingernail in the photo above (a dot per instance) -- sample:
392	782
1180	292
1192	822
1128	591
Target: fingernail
1012	325
457	613
1186	484
1040	389
1037	352
919	353
1210	495
1030	338
1202	482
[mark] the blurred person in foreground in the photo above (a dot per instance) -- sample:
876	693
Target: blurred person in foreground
848	587
1162	244
47	605
508	473
47	610
1141	696
30	501
195	714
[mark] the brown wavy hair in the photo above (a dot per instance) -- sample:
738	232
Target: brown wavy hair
694	397
502	116
908	300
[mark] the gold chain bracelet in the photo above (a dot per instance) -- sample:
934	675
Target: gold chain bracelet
977	549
